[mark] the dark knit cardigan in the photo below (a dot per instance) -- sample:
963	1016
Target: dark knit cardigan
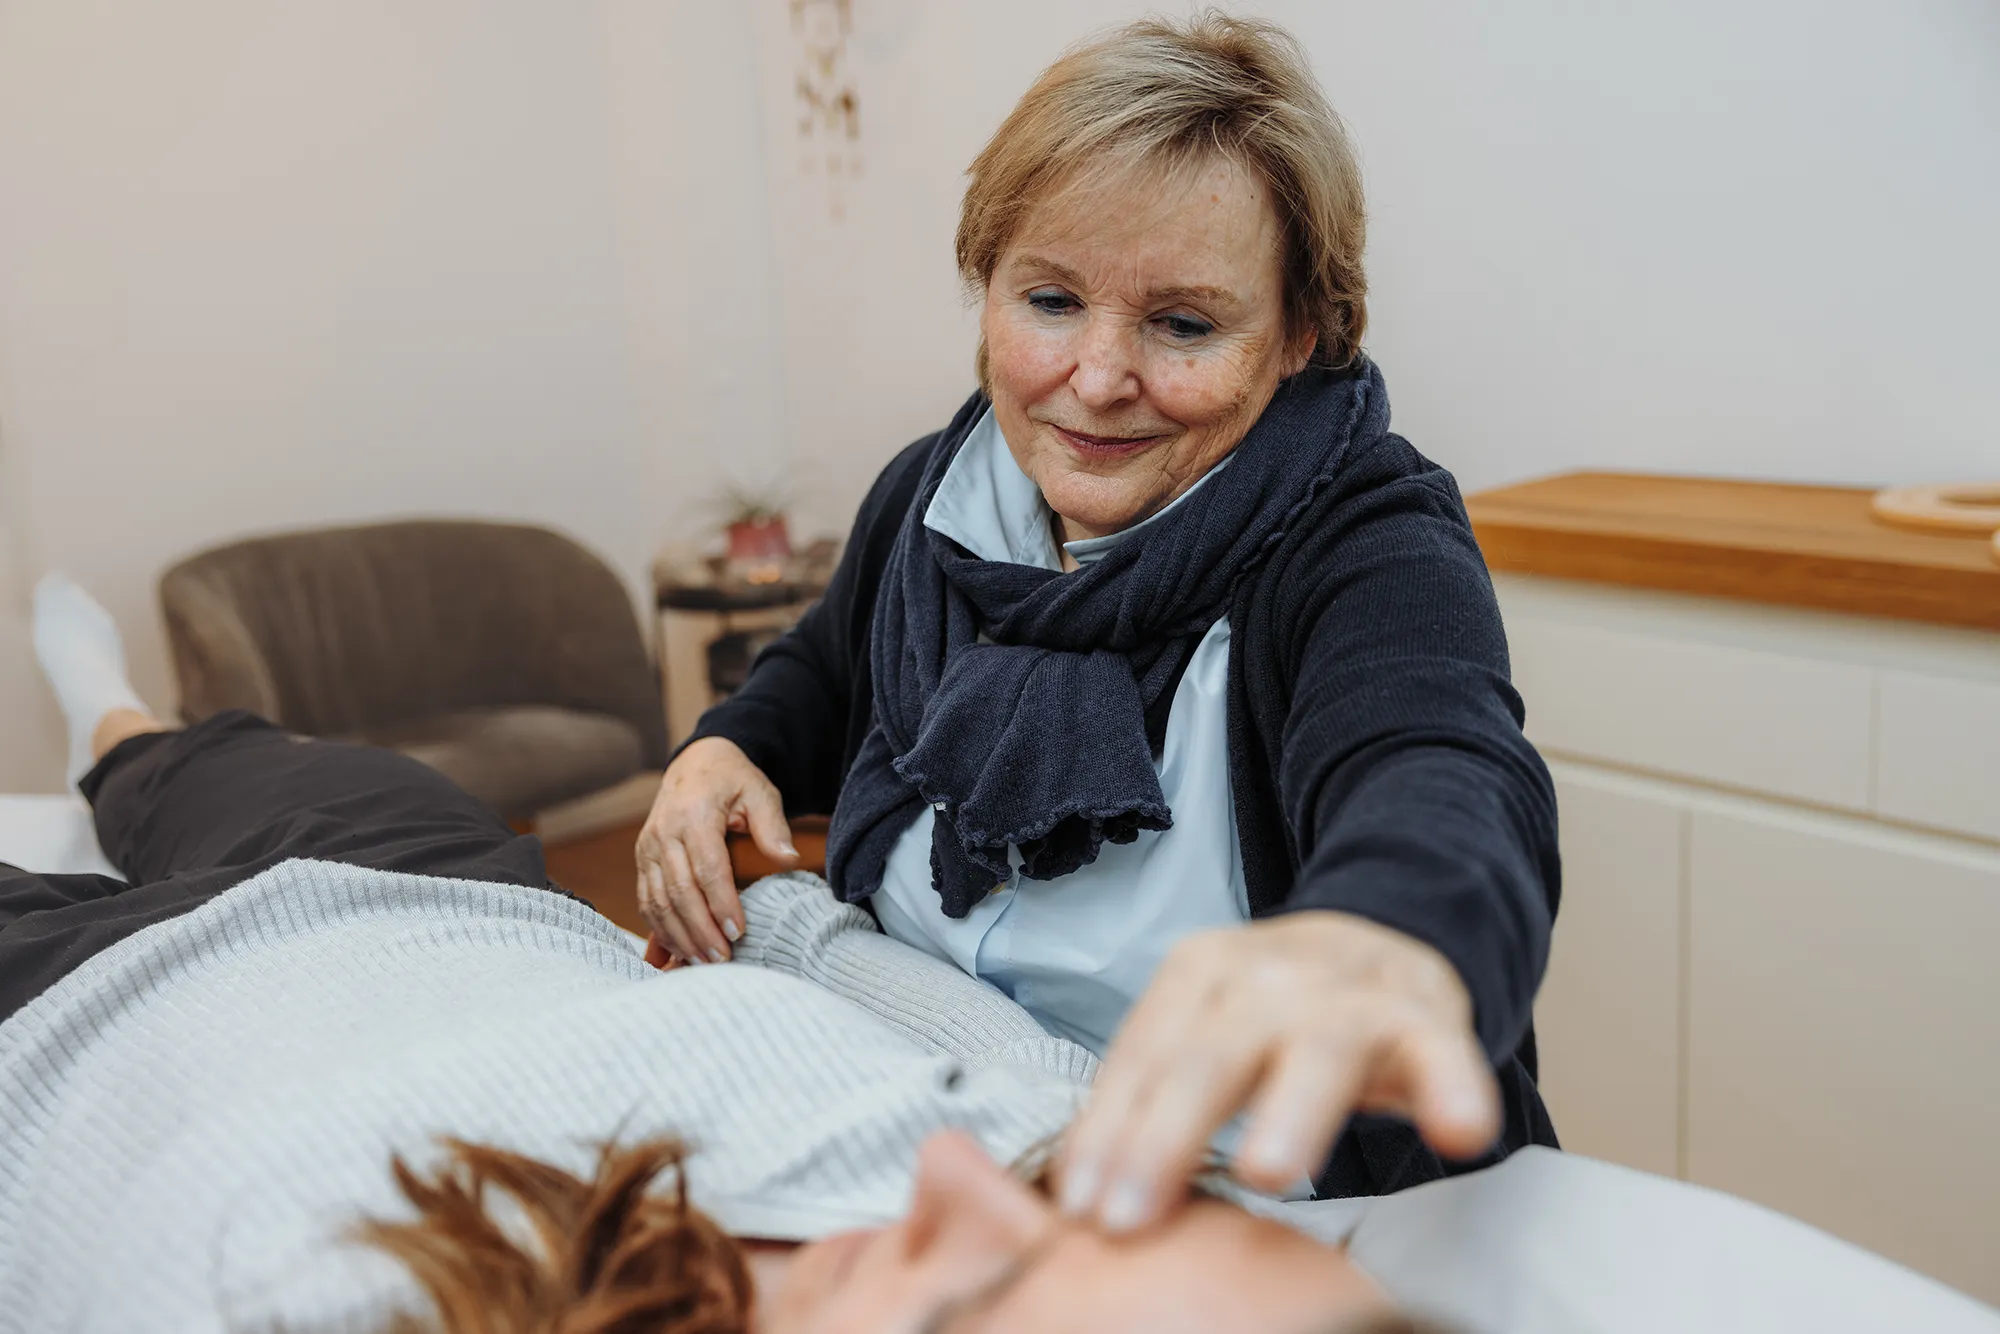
1375	749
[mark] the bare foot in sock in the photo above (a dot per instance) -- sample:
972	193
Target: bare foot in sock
78	645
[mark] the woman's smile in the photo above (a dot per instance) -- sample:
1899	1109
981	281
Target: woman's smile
1106	446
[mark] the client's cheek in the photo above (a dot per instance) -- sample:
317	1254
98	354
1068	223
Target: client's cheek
794	1290
858	1283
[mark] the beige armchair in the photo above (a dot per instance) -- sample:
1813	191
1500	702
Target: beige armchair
507	657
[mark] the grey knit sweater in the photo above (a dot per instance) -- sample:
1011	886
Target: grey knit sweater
190	1120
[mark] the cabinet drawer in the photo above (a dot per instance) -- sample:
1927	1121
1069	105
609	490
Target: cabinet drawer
1743	718
1939	757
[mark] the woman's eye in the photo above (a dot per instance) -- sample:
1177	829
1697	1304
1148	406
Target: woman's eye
1187	327
1052	303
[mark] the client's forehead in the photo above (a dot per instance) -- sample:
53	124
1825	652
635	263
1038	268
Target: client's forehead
1213	1266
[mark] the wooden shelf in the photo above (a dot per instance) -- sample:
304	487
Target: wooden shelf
1797	546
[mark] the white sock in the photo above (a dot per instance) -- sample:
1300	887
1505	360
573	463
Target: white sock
78	645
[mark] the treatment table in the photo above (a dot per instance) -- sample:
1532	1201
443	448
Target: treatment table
1543	1243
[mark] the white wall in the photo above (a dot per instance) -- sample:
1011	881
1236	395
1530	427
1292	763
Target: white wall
264	266
697	241
1745	237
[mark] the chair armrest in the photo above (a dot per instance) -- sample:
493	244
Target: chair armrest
216	660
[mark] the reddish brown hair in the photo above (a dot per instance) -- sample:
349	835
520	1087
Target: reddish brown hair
607	1256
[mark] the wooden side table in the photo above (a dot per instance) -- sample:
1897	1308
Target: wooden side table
696	604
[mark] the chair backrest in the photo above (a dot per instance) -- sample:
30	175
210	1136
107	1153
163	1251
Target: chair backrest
337	631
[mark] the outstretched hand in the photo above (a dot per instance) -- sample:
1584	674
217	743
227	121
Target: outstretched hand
1301	1020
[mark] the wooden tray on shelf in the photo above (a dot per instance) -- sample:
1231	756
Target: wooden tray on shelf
1789	545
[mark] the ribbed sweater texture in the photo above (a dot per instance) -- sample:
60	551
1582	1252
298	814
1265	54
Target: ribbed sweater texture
192	1120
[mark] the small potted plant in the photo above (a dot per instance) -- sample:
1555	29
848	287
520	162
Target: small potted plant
759	544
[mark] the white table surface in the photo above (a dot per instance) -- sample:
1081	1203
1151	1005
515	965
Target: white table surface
50	834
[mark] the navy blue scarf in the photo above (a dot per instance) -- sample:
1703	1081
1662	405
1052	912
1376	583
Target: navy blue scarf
1043	736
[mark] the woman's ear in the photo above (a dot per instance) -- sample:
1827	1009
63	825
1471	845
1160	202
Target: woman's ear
1300	354
961	1194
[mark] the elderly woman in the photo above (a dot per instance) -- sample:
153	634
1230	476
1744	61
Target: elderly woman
1164	689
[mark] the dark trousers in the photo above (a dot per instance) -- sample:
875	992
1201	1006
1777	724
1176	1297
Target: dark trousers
186	815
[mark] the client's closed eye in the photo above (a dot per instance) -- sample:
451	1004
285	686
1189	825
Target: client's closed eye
951	1310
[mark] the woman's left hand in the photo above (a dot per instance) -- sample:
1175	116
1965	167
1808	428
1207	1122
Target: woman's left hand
1303	1020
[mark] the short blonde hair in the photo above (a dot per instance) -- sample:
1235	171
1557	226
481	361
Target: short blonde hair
1166	94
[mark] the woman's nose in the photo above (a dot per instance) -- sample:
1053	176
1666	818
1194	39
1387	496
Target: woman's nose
1107	370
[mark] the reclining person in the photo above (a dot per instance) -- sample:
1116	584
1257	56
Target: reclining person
328	957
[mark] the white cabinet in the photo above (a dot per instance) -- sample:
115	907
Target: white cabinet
1777	966
1609	1014
1940	753
1844	1033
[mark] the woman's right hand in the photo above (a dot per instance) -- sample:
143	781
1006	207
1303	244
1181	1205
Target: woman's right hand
687	891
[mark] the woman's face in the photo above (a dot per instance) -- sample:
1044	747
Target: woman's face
980	1251
1135	329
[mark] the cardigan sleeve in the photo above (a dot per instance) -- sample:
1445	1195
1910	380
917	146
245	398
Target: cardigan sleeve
795	714
1412	795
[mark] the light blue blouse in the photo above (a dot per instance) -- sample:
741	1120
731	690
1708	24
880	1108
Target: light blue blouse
1076	952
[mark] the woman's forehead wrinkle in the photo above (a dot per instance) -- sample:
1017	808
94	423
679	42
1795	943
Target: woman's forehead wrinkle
1139	200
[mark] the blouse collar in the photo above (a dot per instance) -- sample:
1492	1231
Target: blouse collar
986	504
